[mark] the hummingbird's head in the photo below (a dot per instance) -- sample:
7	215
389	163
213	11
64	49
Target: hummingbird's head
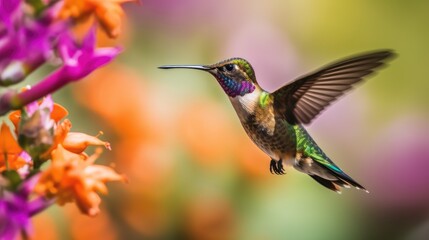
235	75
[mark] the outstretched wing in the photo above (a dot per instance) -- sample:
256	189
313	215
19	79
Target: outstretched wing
303	99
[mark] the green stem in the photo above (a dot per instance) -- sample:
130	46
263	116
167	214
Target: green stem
6	161
15	100
37	163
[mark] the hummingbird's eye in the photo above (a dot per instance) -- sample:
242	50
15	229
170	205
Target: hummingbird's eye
229	67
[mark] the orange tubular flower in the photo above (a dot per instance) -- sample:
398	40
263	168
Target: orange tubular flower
108	12
77	142
58	112
71	178
9	150
72	141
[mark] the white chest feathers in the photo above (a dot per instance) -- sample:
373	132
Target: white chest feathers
248	102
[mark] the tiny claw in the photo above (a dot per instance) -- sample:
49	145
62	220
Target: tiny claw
276	167
280	168
272	166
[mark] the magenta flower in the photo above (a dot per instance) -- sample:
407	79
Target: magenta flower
79	60
47	103
25	43
8	11
16	209
8	15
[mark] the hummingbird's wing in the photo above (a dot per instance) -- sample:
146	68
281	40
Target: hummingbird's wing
303	99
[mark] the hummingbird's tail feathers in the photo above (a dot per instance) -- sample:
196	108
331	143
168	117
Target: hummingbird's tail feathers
341	179
327	183
346	181
335	185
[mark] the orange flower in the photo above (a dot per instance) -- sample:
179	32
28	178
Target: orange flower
108	12
70	177
9	150
58	112
77	142
72	141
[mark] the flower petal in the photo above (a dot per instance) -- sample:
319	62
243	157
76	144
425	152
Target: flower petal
77	142
88	42
71	178
7	9
8	143
103	173
39	204
110	17
79	61
47	102
108	12
28	185
58	112
101	57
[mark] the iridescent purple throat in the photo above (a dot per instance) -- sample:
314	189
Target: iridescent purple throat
233	88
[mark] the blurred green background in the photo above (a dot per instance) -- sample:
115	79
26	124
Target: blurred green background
194	174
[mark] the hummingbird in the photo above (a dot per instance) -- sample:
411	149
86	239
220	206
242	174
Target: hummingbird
275	121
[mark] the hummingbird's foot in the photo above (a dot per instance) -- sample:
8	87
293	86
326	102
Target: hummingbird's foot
276	167
272	164
280	166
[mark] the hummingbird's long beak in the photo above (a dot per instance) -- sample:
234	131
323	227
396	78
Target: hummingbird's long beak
198	67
